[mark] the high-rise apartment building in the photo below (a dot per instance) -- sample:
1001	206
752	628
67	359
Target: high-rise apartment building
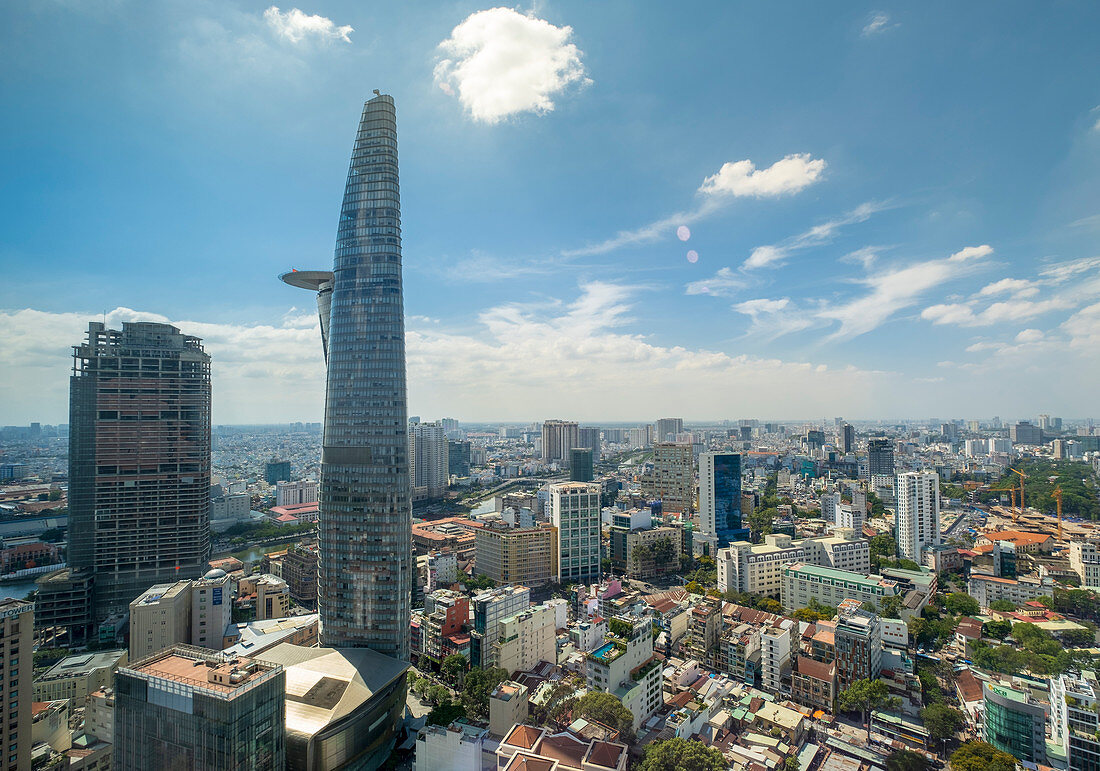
139	460
580	464
590	438
846	438
880	457
918	512
668	429
673	478
276	471
517	555
575	512
428	460
1025	433
720	499
16	694
858	641
1074	721
296	493
366	572
458	458
190	708
558	438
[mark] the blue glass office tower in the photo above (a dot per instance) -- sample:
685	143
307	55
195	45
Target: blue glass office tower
720	497
364	582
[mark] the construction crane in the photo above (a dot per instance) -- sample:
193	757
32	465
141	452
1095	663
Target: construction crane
1023	476
1058	501
1012	494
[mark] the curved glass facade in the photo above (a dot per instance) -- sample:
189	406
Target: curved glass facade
364	582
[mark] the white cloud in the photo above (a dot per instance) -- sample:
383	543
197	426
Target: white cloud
762	256
1029	336
1063	286
896	289
774	318
1014	286
502	63
784	177
1083	329
879	22
296	26
971	253
723	282
774	255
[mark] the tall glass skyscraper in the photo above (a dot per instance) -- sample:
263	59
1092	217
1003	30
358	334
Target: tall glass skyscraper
364	584
720	499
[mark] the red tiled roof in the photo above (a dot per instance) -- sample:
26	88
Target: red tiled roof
523	736
524	762
969	686
564	748
605	754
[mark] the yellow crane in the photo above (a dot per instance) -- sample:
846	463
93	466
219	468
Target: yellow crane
1012	495
1058	501
1022	476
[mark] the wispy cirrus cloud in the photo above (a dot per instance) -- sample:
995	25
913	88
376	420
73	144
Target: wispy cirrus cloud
501	63
774	255
877	24
739	179
983	309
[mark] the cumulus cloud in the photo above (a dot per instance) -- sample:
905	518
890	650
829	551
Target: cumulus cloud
879	23
296	26
1029	336
740	179
784	177
502	63
494	370
971	253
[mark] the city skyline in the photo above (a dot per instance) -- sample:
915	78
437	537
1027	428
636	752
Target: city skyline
756	206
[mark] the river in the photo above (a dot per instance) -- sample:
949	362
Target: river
17	589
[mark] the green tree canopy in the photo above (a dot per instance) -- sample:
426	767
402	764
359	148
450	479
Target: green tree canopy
1005	606
605	708
961	604
478	686
907	760
981	756
682	755
453	668
865	696
942	721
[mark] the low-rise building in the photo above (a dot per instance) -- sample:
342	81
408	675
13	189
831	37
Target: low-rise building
986	589
527	748
508	706
458	746
517	555
1084	559
758	568
625	667
527	638
74	677
802	583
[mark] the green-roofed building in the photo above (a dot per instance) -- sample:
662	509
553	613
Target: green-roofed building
829	586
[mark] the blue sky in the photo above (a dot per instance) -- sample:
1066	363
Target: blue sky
894	210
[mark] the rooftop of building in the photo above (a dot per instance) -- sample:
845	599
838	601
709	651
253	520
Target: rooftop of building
83	663
839	575
1017	537
158	592
254	636
12	606
325	685
200	668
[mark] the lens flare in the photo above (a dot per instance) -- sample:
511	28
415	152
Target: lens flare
693	256
683	233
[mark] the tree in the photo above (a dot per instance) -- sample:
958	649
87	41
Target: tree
907	760
866	696
815	611
478	686
890	606
682	755
446	713
453	668
981	756
942	721
960	604
760	522
792	764
605	708
437	694
1005	606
